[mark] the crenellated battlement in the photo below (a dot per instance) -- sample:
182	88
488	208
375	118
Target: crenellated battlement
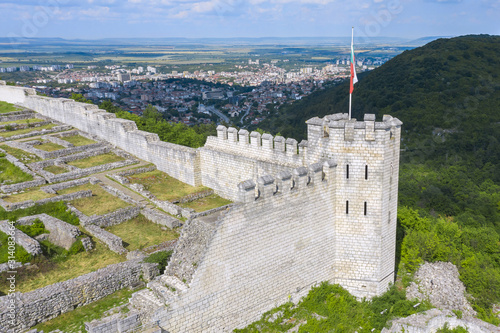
340	128
287	182
257	146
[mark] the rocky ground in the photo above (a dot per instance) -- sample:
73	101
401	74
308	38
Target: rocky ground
439	283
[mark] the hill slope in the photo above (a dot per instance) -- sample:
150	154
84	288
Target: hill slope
449	83
447	93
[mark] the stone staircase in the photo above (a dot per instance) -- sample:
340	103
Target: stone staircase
168	288
160	292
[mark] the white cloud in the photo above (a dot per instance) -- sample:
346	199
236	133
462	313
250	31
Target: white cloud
96	12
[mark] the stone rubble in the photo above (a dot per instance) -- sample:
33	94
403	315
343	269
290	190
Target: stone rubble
439	283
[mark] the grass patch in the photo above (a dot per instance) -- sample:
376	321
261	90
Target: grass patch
92	161
11	174
43	272
20	254
101	202
139	233
33	230
21	155
163	186
58	210
206	203
330	308
7	107
78	140
49	146
25	130
22	121
55	169
73	321
34	195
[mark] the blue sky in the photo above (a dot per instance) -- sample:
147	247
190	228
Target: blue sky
95	19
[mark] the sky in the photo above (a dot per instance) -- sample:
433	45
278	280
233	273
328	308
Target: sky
96	19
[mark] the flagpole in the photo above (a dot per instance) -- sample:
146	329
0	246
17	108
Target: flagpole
350	93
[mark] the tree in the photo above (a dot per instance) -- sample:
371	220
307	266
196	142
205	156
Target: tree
80	98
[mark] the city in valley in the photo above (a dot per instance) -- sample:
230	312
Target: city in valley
199	83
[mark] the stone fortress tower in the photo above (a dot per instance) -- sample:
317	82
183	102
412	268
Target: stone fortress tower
320	210
366	196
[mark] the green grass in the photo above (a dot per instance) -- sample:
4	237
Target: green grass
139	233
21	154
26	130
101	202
78	140
49	146
11	174
206	203
22	121
7	107
73	321
33	230
20	254
43	272
96	160
330	308
55	169
163	186
56	209
34	195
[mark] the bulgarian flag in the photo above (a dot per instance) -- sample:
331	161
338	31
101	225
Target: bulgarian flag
354	78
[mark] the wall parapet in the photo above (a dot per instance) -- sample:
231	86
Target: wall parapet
257	146
176	160
324	127
285	182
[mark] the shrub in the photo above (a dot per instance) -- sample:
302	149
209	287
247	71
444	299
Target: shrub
161	258
77	247
37	228
446	329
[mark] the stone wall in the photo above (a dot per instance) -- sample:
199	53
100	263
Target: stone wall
37	181
113	242
21	115
114	218
76	172
121	176
44	131
177	161
31	147
121	323
49	302
119	194
158	217
29	244
16	127
72	183
225	164
258	255
10	206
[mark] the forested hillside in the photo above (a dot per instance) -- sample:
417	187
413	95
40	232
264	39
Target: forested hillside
447	93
